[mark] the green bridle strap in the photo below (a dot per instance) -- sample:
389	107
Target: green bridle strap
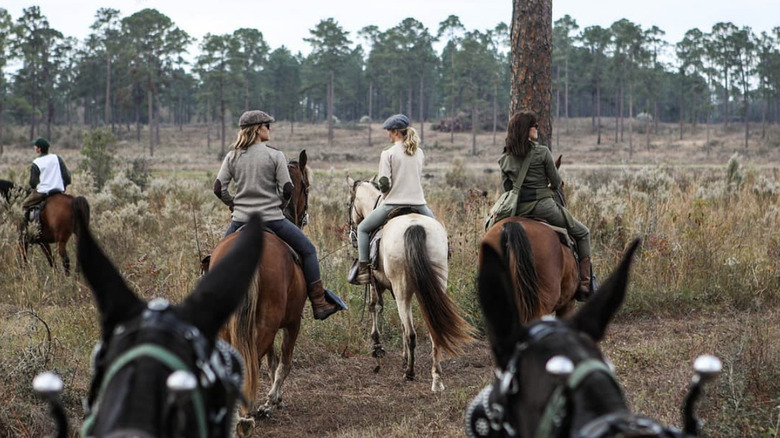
170	360
555	412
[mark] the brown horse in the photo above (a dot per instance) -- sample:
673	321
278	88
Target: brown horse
57	225
274	302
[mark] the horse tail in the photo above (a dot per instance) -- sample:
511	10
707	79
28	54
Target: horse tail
445	325
80	207
520	258
242	336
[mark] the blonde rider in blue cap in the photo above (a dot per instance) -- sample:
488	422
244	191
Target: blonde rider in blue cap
400	181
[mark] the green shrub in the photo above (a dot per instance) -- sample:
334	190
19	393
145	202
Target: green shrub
99	148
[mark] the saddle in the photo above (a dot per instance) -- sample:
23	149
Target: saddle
376	236
205	262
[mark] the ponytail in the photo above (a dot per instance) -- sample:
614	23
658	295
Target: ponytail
411	140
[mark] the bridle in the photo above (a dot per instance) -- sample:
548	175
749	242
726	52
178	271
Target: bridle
488	415
350	220
219	368
301	220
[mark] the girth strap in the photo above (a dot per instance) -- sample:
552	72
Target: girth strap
170	360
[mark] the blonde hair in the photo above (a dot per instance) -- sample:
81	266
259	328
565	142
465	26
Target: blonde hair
410	139
247	136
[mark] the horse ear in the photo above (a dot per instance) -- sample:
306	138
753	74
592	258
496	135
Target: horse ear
224	287
350	184
558	162
596	314
115	301
302	159
499	308
373	178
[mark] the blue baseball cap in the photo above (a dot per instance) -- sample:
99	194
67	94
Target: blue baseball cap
397	121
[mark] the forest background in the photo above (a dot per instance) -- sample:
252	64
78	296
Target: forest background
676	142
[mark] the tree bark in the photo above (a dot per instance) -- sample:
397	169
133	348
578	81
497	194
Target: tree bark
108	89
598	111
330	109
531	62
422	118
149	98
370	107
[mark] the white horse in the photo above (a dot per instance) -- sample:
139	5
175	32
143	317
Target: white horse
412	261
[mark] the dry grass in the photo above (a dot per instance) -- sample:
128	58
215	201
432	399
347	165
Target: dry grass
707	279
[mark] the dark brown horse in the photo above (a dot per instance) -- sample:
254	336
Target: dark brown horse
274	302
57	225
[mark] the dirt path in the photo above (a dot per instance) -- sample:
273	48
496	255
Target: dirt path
343	397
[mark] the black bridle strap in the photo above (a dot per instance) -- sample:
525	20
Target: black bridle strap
161	355
555	411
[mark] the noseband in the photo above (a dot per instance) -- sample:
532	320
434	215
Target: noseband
221	366
489	413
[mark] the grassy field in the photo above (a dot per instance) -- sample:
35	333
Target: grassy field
706	281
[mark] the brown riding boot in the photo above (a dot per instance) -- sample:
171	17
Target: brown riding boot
363	274
319	305
583	291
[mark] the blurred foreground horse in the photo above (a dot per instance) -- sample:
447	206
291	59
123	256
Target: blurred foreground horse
160	370
412	261
552	379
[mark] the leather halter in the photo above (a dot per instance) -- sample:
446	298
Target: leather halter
212	367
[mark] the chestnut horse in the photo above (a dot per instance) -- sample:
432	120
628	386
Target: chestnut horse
544	273
57	225
274	302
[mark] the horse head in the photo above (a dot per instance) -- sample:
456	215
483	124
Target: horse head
364	196
297	209
159	369
552	378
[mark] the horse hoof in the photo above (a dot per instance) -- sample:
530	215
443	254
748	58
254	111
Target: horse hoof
377	368
244	426
409	377
264	412
437	386
379	352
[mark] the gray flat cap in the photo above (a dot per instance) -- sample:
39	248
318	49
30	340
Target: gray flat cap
397	121
254	117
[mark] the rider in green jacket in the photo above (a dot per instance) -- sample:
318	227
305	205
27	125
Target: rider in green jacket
540	187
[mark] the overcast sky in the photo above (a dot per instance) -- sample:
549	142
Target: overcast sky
288	22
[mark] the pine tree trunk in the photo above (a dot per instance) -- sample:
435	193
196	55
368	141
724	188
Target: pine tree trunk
598	111
566	93
531	61
108	90
149	97
330	109
495	111
370	108
422	118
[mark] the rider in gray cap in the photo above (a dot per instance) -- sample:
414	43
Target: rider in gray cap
398	121
254	117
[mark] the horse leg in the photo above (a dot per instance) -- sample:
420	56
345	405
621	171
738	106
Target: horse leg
410	335
47	252
273	361
265	343
288	345
437	385
62	250
375	308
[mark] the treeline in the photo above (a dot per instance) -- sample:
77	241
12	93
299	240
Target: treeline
132	72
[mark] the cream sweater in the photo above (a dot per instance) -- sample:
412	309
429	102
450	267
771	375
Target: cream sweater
405	175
